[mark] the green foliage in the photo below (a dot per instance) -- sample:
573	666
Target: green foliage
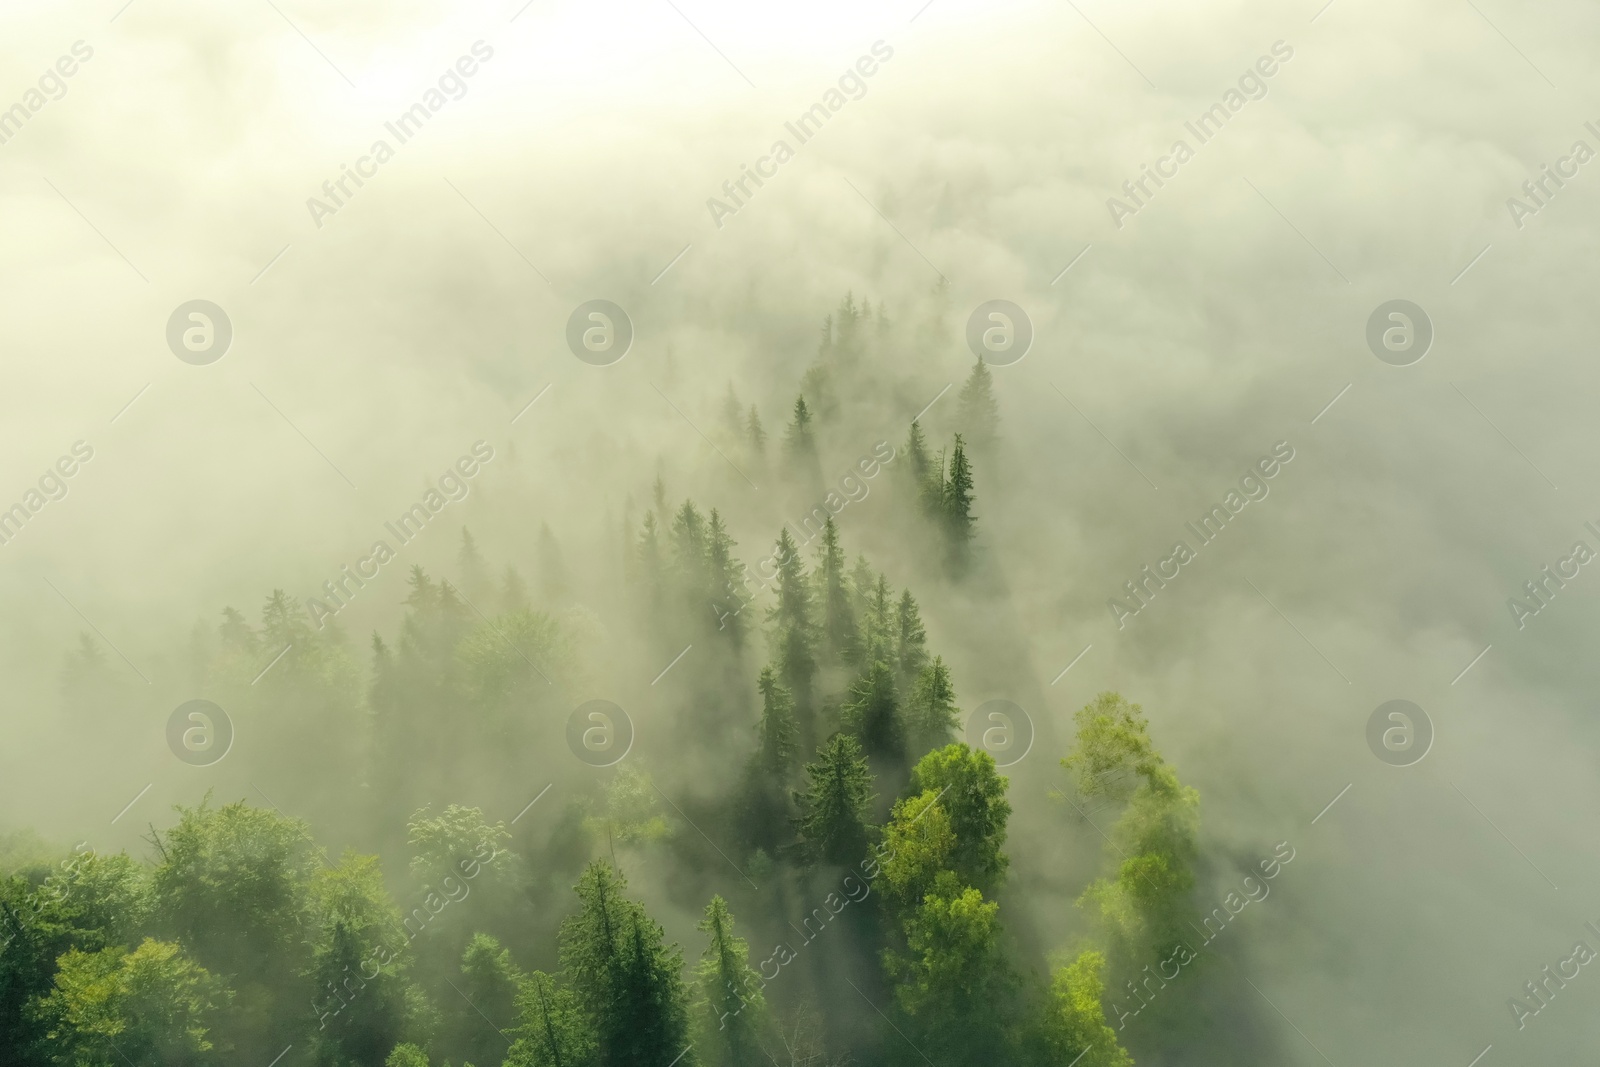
932	717
1075	1026
777	728
833	811
630	813
153	1005
872	713
838	617
628	979
953	980
455	842
920	844
234	885
911	640
552	1029
975	796
1145	907
730	1011
406	1055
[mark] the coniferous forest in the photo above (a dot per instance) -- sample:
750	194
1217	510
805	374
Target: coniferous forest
841	837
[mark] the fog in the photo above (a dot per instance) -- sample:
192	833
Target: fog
1177	342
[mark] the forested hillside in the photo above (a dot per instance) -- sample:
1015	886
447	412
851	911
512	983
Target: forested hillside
805	779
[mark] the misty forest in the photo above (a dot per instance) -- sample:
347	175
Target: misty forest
797	794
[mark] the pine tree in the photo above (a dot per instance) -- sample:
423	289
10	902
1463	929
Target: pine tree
872	713
878	624
801	443
689	559
838	618
958	504
911	640
753	430
793	638
978	413
932	717
731	1011
777	728
833	819
552	1029
920	464
628	980
723	580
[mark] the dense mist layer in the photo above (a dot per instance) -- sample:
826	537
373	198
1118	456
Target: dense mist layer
364	593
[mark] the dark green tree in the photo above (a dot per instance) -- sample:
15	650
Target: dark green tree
838	618
958	504
932	717
833	810
872	713
552	1030
911	640
628	980
731	1013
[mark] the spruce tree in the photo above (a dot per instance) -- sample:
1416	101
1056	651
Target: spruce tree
872	713
920	464
838	618
801	443
723	581
958	503
833	819
753	430
730	1009
627	979
794	642
777	728
552	1029
932	717
911	640
978	413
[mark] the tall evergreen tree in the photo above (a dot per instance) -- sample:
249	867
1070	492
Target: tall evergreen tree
801	442
872	713
723	581
833	819
552	1029
911	640
920	464
932	717
838	618
777	728
731	1011
793	635
628	980
978	413
755	433
958	503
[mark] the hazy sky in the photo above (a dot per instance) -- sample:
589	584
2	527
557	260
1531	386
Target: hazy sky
374	345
